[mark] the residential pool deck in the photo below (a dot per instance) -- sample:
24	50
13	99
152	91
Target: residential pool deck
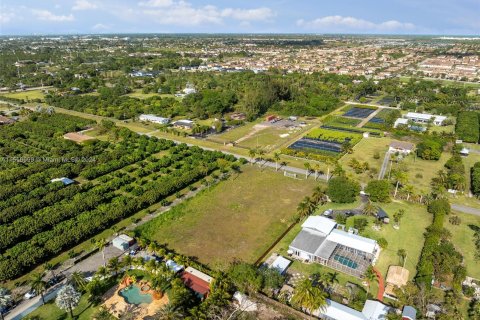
117	305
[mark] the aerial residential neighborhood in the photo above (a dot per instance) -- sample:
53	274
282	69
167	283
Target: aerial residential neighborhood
220	160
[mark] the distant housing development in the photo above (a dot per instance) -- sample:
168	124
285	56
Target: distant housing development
320	241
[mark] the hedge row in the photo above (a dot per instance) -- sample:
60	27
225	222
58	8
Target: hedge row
439	208
467	126
475	179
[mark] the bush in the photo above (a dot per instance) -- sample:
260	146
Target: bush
429	149
342	190
379	190
360	223
383	243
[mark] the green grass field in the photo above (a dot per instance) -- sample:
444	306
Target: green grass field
408	237
26	95
84	311
239	218
462	238
363	152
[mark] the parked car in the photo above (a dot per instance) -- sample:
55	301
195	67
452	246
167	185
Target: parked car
328	212
31	294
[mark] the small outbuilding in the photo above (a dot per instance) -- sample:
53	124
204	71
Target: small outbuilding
64	180
197	281
401	147
397	277
281	264
123	242
172	265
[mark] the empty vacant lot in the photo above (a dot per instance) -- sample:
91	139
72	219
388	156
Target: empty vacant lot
237	219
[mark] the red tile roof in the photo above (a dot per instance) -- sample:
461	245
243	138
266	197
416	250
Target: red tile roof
196	284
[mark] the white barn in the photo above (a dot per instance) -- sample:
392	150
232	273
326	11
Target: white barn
425	118
153	118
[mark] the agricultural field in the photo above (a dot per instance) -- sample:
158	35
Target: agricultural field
25	95
359	112
235	219
109	182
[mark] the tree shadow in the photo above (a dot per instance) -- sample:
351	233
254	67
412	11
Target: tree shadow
474	227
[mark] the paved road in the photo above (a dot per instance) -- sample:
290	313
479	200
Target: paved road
90	264
384	167
466	209
263	163
370	117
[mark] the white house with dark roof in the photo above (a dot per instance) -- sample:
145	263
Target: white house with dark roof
319	241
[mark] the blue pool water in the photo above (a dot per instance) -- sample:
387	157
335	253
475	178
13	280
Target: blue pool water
133	295
345	261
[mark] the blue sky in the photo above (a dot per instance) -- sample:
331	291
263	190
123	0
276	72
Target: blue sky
449	17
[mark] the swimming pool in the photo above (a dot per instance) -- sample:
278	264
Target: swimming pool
133	295
345	261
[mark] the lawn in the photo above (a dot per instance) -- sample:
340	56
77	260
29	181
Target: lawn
236	133
26	95
409	237
363	152
462	237
84	311
239	218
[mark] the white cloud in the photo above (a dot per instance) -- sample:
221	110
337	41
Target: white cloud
156	3
257	14
183	13
6	17
351	24
84	5
46	15
100	27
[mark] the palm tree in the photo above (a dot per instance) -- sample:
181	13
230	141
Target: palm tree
309	296
400	177
370	276
370	209
127	261
308	167
102	314
260	153
303	209
252	153
319	195
409	189
397	216
316	169
102	272
114	265
169	312
329	278
402	254
37	284
101	244
5	300
67	299
49	267
78	280
276	157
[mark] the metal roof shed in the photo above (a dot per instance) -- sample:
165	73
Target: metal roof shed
281	264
